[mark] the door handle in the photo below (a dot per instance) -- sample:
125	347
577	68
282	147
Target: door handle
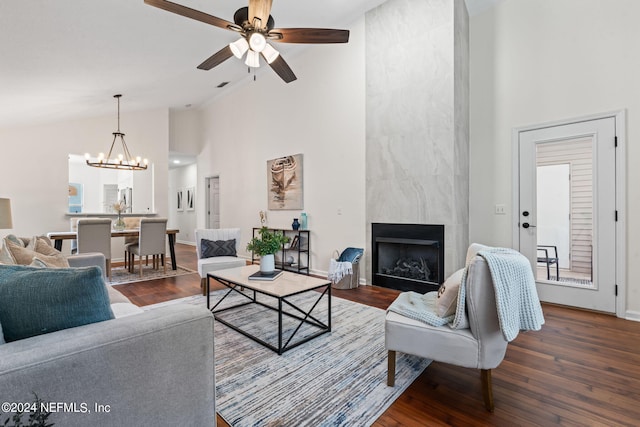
527	225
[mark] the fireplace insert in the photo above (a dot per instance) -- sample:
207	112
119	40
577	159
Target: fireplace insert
408	257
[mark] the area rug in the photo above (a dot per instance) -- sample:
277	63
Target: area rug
120	275
336	379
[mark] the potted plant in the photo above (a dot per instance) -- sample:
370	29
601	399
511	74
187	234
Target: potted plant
265	246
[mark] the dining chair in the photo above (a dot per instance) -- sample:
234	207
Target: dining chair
94	235
130	223
152	241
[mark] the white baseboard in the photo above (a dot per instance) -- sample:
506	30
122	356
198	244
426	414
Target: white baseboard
632	315
184	242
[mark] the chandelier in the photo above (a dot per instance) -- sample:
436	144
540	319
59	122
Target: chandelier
123	160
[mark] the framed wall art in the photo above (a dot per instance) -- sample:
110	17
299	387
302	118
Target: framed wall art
180	199
284	183
190	202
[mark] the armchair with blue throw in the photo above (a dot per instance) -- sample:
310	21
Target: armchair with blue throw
472	330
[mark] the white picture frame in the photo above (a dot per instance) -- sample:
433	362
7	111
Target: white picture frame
180	200
190	202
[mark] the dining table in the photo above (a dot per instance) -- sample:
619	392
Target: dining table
59	236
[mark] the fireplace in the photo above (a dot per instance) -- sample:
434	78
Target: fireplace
408	257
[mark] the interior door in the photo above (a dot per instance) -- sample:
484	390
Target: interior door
588	147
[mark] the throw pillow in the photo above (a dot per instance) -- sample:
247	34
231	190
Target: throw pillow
36	301
448	294
211	248
16	240
53	261
42	245
24	255
5	254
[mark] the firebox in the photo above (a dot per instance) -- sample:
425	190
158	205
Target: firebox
408	257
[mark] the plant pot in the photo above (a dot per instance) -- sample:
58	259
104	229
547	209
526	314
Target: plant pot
267	263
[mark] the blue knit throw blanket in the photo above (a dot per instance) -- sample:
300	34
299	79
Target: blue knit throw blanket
516	295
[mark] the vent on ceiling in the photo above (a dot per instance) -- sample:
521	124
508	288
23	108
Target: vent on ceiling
223	84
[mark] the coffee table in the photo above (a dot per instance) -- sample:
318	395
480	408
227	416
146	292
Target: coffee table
279	290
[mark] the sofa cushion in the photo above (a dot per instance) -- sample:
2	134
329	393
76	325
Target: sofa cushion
448	294
35	301
215	248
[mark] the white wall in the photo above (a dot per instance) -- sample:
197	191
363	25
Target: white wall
185	220
321	115
185	131
34	171
541	61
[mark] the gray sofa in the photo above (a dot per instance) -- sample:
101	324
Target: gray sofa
151	368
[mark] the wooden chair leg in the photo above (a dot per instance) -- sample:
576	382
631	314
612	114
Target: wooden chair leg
140	265
164	263
391	368
487	390
203	285
125	259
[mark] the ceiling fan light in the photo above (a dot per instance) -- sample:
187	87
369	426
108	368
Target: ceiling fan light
253	59
239	47
269	53
257	42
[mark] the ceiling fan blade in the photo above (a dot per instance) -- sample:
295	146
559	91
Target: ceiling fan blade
281	68
190	13
309	35
217	58
260	9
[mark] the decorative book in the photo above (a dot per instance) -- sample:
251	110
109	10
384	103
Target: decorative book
260	275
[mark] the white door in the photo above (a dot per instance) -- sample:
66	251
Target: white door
589	279
213	202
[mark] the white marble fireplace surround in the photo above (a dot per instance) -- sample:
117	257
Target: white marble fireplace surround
417	120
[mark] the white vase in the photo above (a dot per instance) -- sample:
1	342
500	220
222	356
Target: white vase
267	263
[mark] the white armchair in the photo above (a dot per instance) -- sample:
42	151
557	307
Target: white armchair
481	346
217	262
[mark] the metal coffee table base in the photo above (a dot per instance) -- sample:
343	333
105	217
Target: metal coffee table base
302	315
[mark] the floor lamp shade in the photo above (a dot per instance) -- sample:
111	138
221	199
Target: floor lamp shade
5	214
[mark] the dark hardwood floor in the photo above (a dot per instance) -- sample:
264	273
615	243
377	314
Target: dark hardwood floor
581	369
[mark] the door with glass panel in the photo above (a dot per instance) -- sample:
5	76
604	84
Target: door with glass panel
567	212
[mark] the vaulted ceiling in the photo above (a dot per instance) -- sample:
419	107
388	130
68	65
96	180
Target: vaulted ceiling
66	58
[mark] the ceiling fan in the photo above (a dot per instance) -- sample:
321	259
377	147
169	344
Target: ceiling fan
256	26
